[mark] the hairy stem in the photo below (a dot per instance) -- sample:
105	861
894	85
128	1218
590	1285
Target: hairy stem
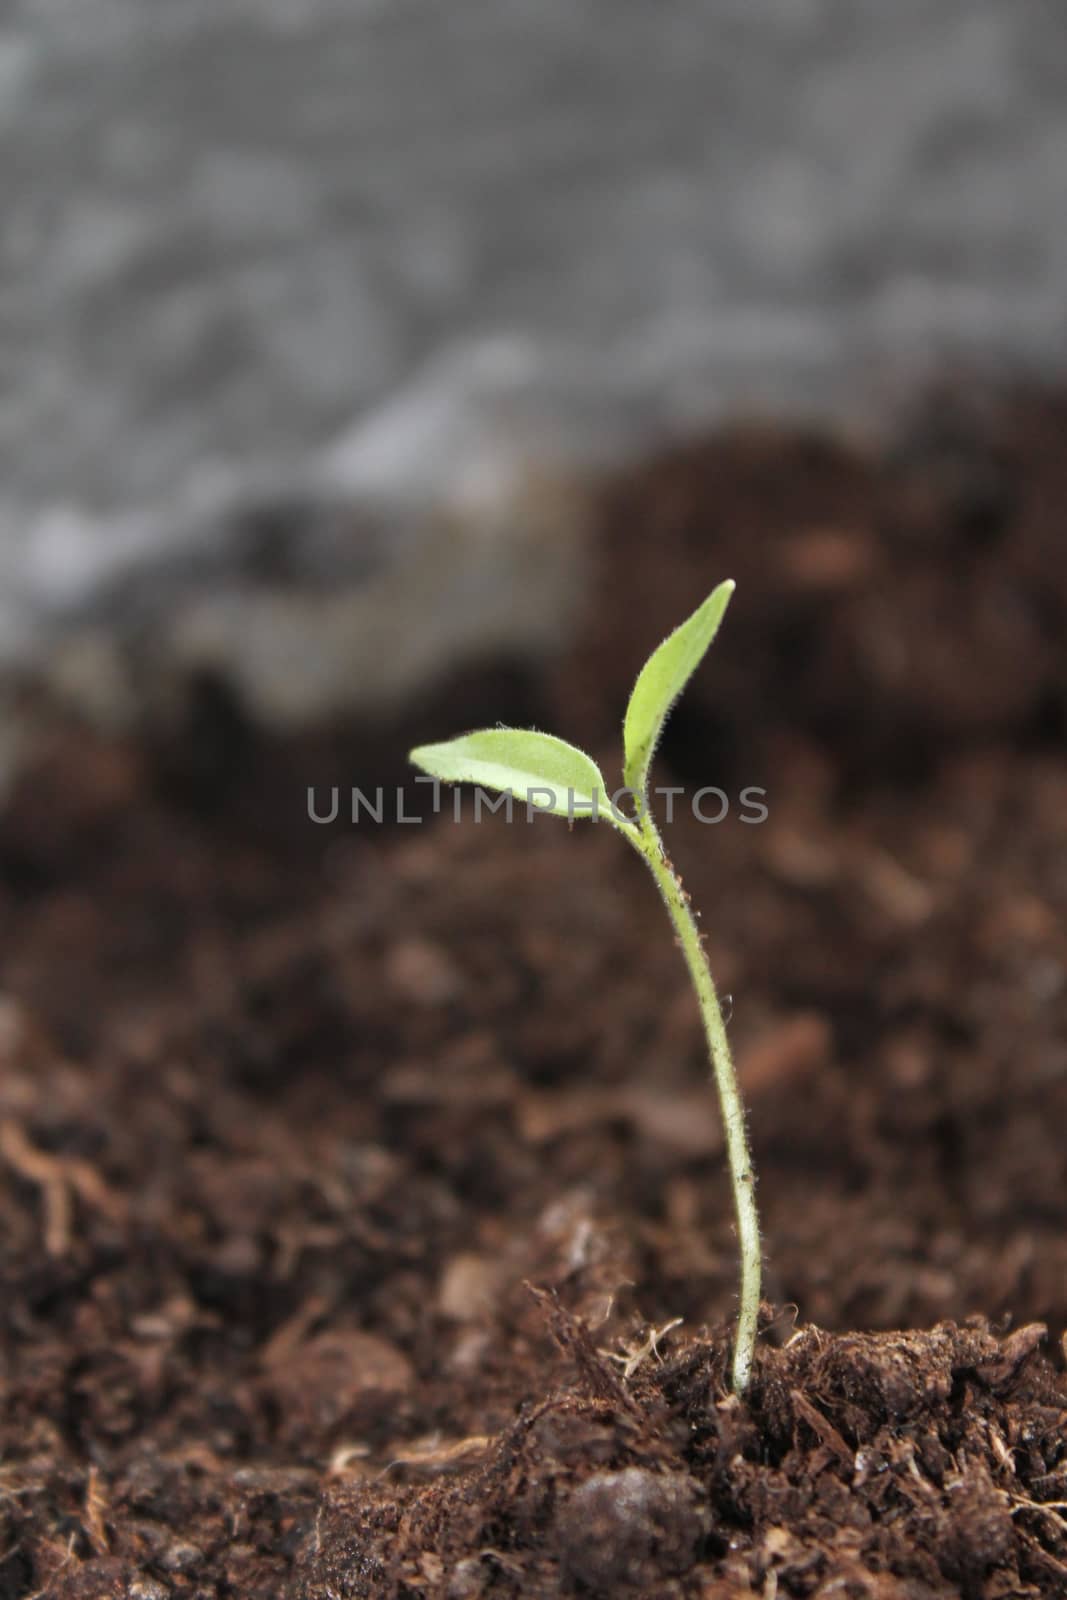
646	840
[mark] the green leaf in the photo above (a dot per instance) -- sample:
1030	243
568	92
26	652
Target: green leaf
662	679
518	760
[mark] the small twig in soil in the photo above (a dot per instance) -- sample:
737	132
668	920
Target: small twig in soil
823	1429
95	1508
284	1341
43	1594
573	1339
1021	1503
47	1174
632	1357
434	1456
57	1177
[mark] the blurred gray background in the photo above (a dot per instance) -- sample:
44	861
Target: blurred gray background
343	279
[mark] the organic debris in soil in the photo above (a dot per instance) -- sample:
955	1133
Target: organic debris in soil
890	1466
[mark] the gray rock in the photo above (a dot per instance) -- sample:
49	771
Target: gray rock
627	1529
298	296
147	1589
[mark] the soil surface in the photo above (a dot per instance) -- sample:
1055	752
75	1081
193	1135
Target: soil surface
364	1230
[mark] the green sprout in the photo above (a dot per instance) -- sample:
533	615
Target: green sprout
554	776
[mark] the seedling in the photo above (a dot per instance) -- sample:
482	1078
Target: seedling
554	776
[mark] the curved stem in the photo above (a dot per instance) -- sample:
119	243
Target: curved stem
646	840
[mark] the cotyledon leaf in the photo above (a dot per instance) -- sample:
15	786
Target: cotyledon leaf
562	778
662	679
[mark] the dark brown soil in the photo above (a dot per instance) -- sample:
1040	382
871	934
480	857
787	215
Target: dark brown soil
352	1181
